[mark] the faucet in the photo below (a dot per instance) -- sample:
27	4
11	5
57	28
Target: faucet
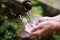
15	8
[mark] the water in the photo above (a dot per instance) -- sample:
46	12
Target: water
24	34
30	16
32	20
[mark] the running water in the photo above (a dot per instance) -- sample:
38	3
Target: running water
30	16
32	19
24	34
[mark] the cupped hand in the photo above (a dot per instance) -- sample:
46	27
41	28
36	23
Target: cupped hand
44	28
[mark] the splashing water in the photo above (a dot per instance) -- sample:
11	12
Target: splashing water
24	34
30	15
32	20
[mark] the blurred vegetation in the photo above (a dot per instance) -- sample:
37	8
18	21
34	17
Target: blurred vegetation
36	8
8	26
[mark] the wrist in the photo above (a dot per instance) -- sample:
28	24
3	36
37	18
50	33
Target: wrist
53	19
56	26
48	18
56	18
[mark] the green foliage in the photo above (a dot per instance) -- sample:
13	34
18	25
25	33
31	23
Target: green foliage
37	10
36	7
56	35
7	28
34	2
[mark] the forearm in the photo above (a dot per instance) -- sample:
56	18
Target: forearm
57	23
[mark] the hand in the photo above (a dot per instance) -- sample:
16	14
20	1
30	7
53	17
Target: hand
28	27
42	19
44	28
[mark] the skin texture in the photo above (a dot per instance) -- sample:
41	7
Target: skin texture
44	26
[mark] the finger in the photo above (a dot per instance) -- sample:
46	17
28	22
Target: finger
36	27
35	33
42	19
28	28
39	26
39	21
38	32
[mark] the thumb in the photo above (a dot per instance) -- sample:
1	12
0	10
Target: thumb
28	28
39	26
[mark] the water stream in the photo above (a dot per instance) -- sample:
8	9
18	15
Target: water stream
32	20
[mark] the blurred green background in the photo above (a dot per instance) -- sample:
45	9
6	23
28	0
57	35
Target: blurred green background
8	26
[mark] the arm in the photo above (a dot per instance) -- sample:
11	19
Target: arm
56	18
45	26
57	24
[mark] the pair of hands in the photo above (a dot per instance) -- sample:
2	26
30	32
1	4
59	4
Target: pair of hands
42	27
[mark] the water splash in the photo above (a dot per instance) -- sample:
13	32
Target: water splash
24	20
30	15
32	19
24	34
